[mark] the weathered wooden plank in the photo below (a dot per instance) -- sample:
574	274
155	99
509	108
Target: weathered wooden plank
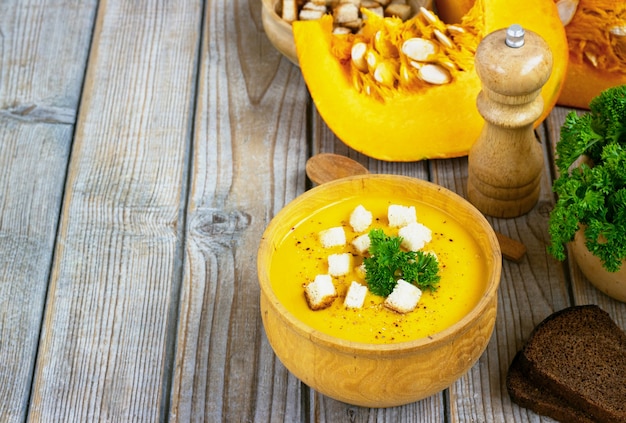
248	162
529	291
43	54
107	338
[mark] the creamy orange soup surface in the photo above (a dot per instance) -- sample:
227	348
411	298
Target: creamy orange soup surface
300	257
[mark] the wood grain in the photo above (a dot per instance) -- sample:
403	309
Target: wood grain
42	63
107	335
249	149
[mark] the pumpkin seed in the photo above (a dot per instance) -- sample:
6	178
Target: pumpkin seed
358	56
619	31
384	74
434	74
384	46
455	29
567	10
428	15
592	58
443	39
419	49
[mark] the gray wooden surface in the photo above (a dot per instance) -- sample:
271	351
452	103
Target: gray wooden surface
144	147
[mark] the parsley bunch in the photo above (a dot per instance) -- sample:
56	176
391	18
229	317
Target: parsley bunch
388	263
593	195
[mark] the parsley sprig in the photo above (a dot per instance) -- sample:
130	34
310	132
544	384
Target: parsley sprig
593	195
388	263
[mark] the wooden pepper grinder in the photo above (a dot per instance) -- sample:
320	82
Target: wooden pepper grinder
506	161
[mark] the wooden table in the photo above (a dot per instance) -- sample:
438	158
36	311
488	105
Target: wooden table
144	147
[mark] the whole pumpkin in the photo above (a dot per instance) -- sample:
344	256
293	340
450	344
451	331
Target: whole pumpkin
393	106
596	34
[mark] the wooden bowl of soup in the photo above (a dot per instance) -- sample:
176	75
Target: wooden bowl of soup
373	356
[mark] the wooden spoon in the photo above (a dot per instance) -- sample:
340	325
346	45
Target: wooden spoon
326	167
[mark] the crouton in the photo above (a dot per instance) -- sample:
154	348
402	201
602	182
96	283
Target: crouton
290	10
339	264
346	12
333	237
360	218
310	15
403	298
362	243
402	11
320	293
414	236
355	297
400	216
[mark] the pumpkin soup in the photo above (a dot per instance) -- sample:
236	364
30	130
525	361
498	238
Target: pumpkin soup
300	257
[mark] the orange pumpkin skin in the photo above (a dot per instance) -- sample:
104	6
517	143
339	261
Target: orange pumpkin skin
439	122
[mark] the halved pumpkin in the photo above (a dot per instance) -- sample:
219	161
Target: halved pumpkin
392	114
596	34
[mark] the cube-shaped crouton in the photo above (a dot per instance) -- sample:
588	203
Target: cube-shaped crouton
355	297
360	219
320	293
333	237
400	216
414	236
362	243
346	12
404	297
339	264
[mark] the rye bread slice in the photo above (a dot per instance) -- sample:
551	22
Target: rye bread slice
579	355
525	394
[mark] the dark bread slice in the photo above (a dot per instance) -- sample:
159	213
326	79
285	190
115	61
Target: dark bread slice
579	355
525	394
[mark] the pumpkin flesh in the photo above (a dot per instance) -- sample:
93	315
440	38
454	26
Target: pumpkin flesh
409	121
596	35
597	51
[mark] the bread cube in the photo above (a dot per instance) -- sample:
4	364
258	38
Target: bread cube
400	216
414	236
339	264
362	243
404	297
346	12
320	293
355	297
290	10
333	237
360	219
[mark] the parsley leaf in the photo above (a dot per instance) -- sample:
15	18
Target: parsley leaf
388	263
593	195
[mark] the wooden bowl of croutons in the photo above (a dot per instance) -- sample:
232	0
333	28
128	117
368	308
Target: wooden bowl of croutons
277	16
379	290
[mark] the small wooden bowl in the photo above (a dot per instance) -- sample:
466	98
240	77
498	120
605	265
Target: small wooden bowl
280	33
612	284
374	375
